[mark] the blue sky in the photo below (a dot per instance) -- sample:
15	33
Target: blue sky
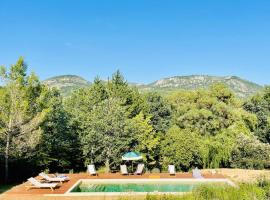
145	39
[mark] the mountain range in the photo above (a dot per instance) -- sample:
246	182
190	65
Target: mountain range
243	88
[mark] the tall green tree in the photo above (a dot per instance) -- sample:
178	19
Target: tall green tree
20	116
249	153
147	140
259	104
59	147
209	112
159	110
106	137
182	148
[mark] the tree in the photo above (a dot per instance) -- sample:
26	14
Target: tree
147	139
217	116
259	104
110	105
216	151
159	111
59	147
20	116
209	112
249	152
118	87
105	137
182	148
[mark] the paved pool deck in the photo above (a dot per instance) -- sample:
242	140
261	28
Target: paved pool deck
21	191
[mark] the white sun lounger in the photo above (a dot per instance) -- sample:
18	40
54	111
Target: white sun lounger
171	169
139	170
36	184
53	179
92	170
123	169
196	173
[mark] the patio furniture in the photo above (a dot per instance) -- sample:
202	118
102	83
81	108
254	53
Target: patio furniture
171	169
139	170
92	170
196	173
123	169
132	156
53	179
36	184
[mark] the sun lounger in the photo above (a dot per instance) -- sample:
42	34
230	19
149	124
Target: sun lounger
36	184
53	179
139	170
92	170
196	173
171	169
123	169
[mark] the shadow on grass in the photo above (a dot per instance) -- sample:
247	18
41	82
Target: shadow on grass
4	188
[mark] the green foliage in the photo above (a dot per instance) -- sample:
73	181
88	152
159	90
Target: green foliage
260	105
209	192
208	112
215	118
105	118
159	110
67	84
105	138
245	191
181	147
100	122
216	151
20	115
249	153
147	139
58	149
264	183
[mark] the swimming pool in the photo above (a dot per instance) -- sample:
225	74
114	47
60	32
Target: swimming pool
139	186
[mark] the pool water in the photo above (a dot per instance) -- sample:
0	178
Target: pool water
135	187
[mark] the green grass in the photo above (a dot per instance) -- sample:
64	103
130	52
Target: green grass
258	191
4	188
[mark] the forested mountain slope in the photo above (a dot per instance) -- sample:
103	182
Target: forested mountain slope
241	87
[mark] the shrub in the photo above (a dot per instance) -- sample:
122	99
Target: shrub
155	170
210	192
264	183
250	153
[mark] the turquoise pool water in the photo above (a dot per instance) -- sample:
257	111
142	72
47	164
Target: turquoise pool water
134	187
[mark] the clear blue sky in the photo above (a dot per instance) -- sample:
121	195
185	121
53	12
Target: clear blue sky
145	39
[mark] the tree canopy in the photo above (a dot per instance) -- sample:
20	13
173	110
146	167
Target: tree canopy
206	128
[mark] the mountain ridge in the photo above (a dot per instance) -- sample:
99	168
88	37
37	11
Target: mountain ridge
243	88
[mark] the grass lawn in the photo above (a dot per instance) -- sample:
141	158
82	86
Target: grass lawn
4	188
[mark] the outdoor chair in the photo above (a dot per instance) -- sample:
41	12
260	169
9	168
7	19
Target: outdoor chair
139	170
36	184
171	169
53	179
123	169
196	173
92	170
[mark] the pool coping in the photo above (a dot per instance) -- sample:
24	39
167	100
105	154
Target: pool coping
188	180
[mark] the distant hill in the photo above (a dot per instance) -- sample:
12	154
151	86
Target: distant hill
241	87
67	83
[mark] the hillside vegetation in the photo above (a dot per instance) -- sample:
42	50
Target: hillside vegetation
67	83
242	88
204	128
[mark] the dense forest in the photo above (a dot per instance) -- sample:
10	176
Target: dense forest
205	128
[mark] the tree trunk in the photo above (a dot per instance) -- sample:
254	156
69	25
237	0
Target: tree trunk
7	150
107	165
7	158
